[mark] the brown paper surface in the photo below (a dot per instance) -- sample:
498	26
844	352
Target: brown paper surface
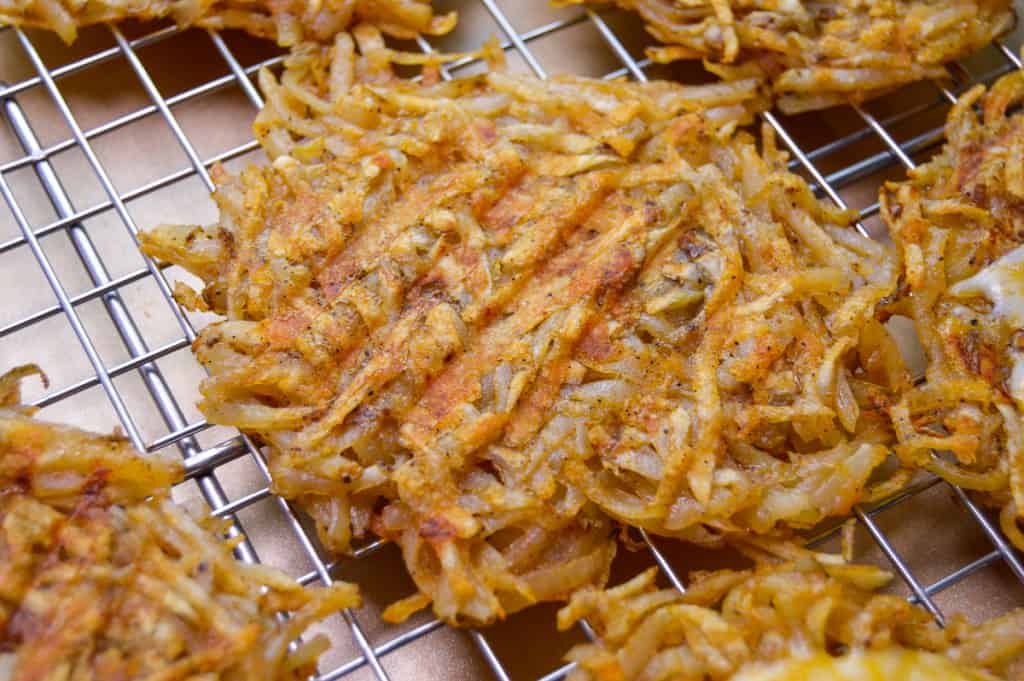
932	533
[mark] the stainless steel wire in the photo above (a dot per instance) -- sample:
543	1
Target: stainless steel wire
201	465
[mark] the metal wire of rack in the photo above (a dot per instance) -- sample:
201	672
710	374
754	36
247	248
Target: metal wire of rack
202	464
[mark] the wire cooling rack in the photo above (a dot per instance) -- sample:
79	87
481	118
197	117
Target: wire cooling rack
103	296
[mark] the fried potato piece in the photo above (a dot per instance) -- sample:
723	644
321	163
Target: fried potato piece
289	22
475	316
103	577
815	619
958	222
816	55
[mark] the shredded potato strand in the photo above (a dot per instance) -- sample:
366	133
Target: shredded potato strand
818	54
477	317
103	577
797	620
289	22
959	225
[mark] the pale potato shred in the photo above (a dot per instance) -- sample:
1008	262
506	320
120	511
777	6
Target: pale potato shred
959	224
814	55
103	577
289	22
815	618
477	317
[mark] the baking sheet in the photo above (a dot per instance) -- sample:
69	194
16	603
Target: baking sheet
932	533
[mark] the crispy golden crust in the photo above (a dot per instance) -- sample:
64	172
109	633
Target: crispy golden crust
495	305
289	22
959	224
813	619
816	55
103	577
